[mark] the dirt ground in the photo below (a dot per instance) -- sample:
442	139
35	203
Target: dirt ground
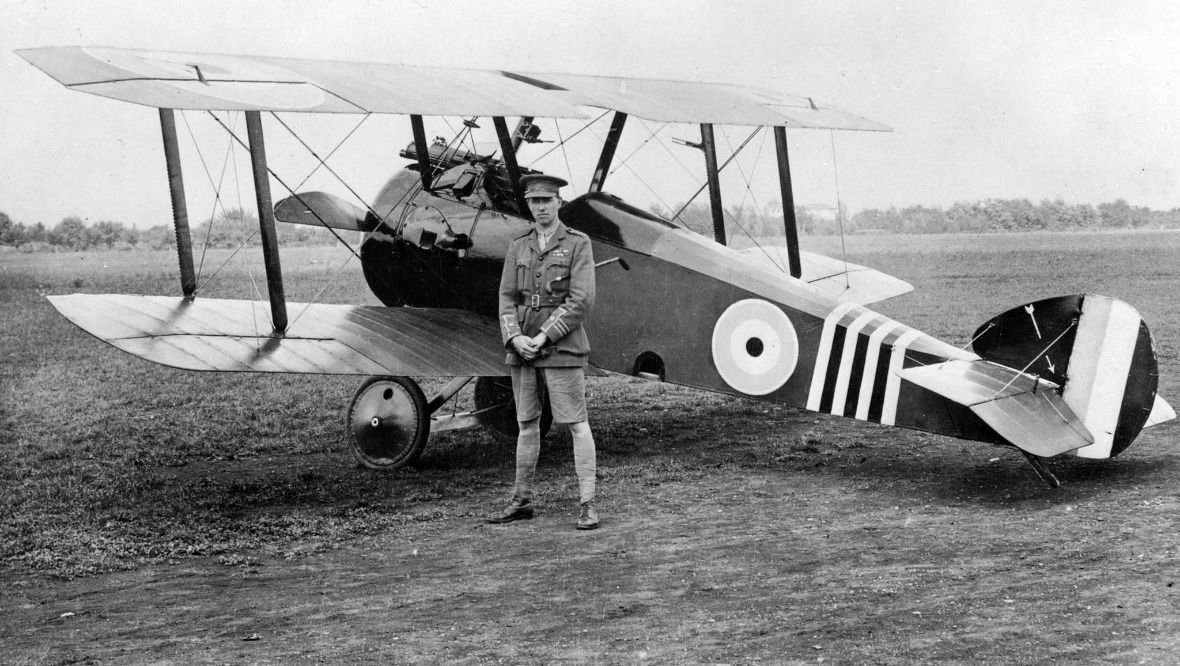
894	559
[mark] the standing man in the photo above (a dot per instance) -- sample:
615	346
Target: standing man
546	292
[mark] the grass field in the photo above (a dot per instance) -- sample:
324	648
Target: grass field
150	514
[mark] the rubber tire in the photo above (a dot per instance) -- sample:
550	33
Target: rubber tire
404	423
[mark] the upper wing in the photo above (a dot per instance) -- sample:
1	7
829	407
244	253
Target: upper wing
235	335
238	82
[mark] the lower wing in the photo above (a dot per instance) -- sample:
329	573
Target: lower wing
236	336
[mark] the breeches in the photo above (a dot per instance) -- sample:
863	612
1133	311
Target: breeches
566	388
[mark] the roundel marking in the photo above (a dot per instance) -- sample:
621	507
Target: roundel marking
755	348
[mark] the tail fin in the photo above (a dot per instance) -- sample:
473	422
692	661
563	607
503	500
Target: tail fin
1098	350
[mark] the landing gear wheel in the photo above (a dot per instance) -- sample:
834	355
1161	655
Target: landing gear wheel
388	422
496	393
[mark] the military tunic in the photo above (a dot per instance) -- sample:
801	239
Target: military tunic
549	291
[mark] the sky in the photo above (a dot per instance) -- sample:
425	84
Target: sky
1004	99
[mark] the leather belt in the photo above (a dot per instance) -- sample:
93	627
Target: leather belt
538	300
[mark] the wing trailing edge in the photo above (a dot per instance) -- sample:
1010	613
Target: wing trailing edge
235	336
1025	410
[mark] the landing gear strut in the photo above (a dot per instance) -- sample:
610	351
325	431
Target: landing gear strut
390	420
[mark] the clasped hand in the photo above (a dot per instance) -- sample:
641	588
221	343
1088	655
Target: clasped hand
529	348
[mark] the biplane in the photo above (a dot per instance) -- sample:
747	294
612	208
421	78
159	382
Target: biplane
1076	373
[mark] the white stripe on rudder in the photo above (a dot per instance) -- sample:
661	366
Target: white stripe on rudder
1098	368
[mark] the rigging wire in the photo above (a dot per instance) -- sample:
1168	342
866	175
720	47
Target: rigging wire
407	197
456	142
241	246
651	135
983	331
1034	360
257	292
750	193
217	202
564	154
412	192
676	158
242	221
288	188
406	201
643	182
463	135
322	163
719	169
839	209
316	299
257	295
562	143
451	147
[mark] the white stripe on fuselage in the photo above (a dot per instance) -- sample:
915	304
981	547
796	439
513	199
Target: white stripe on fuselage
823	355
869	378
893	383
840	396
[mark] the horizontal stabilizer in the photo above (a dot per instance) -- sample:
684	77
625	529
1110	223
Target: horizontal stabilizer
320	209
1025	410
236	336
846	281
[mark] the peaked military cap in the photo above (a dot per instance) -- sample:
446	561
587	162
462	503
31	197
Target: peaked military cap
540	185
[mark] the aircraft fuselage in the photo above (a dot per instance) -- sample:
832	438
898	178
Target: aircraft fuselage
684	309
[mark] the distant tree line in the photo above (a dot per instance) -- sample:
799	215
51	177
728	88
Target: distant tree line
235	226
229	230
988	216
999	215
